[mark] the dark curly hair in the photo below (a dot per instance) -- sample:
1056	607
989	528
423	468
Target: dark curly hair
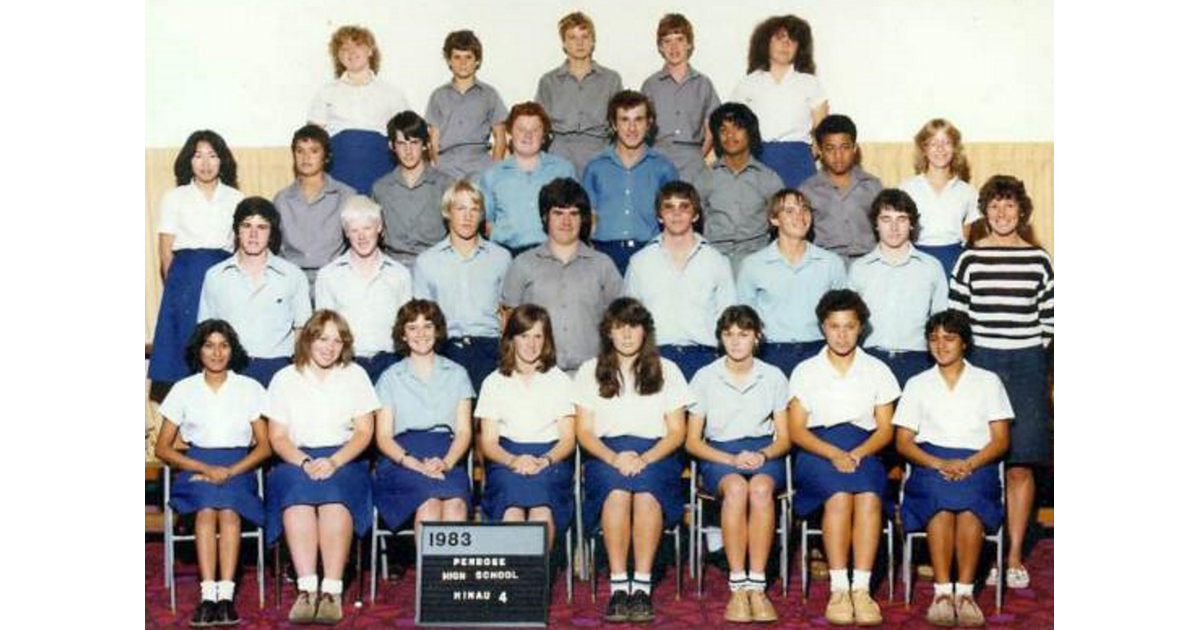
796	28
409	313
954	322
836	300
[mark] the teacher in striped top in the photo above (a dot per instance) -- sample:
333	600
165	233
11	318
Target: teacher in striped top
1005	282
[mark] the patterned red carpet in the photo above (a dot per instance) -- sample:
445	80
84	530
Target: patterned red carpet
1024	609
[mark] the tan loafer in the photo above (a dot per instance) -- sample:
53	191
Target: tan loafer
738	608
866	611
329	609
840	610
761	609
941	612
969	615
304	608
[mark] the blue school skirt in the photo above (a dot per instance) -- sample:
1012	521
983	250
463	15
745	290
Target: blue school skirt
359	157
399	491
946	254
553	487
662	479
816	479
926	492
178	310
263	370
239	493
711	473
1024	375
350	485
792	161
787	355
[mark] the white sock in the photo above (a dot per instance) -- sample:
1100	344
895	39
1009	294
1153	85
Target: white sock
839	580
208	591
756	581
641	583
862	580
737	581
307	583
943	589
331	586
225	589
618	582
961	589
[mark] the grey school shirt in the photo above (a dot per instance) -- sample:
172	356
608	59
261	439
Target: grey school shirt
735	206
840	221
682	111
412	217
312	231
464	122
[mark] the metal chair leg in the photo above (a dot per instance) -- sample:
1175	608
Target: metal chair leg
906	569
570	534
891	562
678	565
803	560
262	572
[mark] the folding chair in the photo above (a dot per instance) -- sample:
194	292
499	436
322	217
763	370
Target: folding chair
807	531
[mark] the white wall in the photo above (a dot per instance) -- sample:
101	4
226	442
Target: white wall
249	69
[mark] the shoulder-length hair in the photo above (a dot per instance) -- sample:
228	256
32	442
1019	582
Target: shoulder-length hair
183	162
409	313
521	321
796	28
238	357
959	166
312	330
740	115
1004	187
647	366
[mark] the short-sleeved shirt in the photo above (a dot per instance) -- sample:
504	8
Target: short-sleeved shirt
418	404
412	215
831	398
733	410
510	197
526	412
368	304
339	105
578	107
466	289
465	119
196	221
786	295
312	231
953	418
784	109
265	316
840	218
215	419
943	214
623	198
575	293
681	109
631	413
736	212
685	303
901	297
320	412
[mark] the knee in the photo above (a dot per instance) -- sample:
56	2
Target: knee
229	518
206	517
762	491
645	505
618	501
735	490
840	504
1019	474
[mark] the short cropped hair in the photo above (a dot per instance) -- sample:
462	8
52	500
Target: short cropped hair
227	172
314	133
409	313
259	206
740	115
953	322
899	201
359	35
463	186
361	208
409	124
673	23
521	320
463	40
834	124
312	331
742	316
627	100
836	300
1007	187
797	30
529	108
564	192
573	20
680	189
238	357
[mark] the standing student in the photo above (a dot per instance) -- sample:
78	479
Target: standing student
623	180
576	93
949	204
738	430
465	112
193	235
365	286
952	424
355	108
320	409
842	192
264	297
309	207
683	97
411	194
218	414
782	88
840	417
1005	282
630	404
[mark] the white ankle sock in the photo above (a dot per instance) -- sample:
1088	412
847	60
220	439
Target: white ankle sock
862	580
756	581
839	580
641	583
331	586
961	589
737	581
225	589
943	589
618	582
208	591
307	583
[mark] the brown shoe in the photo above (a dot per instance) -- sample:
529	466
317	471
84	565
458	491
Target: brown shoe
839	611
738	608
969	615
304	609
329	609
941	612
760	607
866	611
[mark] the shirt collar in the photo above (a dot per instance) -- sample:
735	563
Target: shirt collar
752	164
700	242
565	70
370	78
665	74
398	177
344	260
876	256
756	376
811	252
827	365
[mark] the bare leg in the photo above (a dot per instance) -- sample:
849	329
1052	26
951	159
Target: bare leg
206	544
868	512
647	531
1020	491
835	529
615	522
940	533
230	542
543	514
735	494
300	528
430	510
968	542
336	529
762	521
513	515
454	510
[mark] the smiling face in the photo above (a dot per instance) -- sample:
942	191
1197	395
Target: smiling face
939	150
1003	216
946	347
465	216
409	151
842	329
627	340
308	158
631	126
463	64
894	227
528	346
420	335
327	347
254	235
735	140
363	236
837	152
564	224
206	164
739	343
578	43
675	49
527	136
215	353
793	219
355	56
677	215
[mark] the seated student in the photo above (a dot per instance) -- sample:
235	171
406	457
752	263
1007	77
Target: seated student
218	414
841	192
570	279
355	108
782	88
952	424
949	204
510	188
527	424
683	97
463	274
623	179
320	410
309	206
264	297
785	280
423	430
365	286
737	188
630	407
576	93
840	417
682	280
738	431
411	194
465	112
900	284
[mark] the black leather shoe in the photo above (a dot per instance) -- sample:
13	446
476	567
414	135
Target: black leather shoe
641	609
206	613
618	608
226	614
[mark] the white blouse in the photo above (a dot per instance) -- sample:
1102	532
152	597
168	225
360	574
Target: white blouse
831	398
320	412
631	413
526	412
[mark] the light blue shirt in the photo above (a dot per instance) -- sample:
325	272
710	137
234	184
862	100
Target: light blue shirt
510	197
264	316
623	198
685	303
467	289
417	404
786	295
732	410
901	297
369	304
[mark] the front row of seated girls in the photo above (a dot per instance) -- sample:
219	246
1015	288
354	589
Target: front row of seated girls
627	409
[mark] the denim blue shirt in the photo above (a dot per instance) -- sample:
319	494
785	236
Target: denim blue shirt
510	198
418	404
264	316
901	297
786	295
467	289
623	198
